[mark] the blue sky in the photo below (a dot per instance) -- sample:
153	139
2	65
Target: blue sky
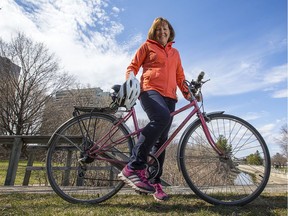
240	44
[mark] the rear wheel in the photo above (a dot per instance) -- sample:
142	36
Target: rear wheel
73	174
237	177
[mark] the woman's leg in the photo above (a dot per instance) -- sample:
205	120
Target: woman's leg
159	115
171	106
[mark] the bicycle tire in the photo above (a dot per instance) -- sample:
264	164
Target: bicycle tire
233	180
99	181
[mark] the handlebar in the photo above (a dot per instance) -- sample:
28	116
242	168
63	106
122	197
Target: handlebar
194	86
200	76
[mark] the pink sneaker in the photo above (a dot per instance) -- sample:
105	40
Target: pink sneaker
136	179
159	195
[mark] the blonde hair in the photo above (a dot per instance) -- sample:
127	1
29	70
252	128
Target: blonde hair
158	21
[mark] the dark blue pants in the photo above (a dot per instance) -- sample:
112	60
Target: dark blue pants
155	133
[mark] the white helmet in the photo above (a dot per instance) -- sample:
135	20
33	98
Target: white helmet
129	92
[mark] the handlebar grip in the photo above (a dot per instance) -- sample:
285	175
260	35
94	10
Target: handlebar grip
200	76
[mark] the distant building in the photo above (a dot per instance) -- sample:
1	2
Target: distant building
8	67
61	106
82	97
8	71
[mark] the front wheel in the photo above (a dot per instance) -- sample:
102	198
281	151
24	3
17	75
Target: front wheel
237	177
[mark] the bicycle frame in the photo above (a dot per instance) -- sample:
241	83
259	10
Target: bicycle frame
132	113
87	153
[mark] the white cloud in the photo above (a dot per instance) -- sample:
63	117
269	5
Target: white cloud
276	74
116	9
254	115
281	93
270	132
242	68
266	129
12	19
231	78
81	33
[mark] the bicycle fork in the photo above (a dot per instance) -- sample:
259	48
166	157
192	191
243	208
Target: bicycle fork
205	118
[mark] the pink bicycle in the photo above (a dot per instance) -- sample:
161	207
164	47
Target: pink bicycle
224	159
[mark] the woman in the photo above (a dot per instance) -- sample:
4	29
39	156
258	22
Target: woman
162	73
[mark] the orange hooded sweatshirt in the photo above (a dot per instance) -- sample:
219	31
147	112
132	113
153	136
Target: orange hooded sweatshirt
162	69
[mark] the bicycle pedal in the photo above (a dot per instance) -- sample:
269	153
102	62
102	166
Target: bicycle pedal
82	164
86	160
81	161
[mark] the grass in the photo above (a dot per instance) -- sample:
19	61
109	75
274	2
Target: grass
51	204
37	177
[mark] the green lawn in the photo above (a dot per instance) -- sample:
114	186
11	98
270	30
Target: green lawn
38	177
51	204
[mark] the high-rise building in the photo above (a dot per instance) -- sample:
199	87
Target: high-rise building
8	67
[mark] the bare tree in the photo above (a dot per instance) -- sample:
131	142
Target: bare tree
23	95
278	160
283	140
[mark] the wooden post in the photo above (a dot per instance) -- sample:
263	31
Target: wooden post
68	168
29	164
13	161
111	176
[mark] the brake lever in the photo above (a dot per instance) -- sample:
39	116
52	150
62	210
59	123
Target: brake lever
205	81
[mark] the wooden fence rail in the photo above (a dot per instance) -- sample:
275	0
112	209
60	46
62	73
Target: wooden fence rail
34	143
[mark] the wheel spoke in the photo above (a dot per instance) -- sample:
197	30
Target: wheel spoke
237	177
81	176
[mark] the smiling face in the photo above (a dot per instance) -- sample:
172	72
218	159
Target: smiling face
162	33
